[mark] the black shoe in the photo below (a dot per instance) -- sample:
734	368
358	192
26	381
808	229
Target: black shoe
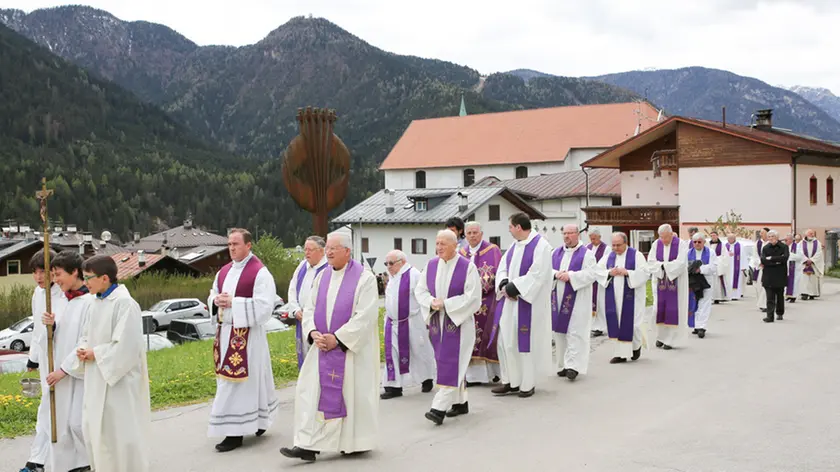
717	302
33	467
495	379
694	332
391	392
571	374
298	453
701	333
636	354
768	319
791	300
659	344
779	317
804	297
354	453
597	333
435	416
618	360
562	373
473	384
527	393
260	432
81	469
666	347
458	410
763	310
428	385
230	443
503	390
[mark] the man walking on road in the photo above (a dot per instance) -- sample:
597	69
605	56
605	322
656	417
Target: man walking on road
774	260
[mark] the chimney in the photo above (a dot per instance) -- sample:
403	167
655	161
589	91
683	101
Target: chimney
87	237
389	201
141	258
463	201
136	237
102	244
71	229
723	110
164	250
764	119
188	222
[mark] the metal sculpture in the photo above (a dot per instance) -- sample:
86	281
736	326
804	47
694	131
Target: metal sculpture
316	166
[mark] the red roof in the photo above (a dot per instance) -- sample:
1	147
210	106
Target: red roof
128	265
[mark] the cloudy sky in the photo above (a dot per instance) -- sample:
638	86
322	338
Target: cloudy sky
783	42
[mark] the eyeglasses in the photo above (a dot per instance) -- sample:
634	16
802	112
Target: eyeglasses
88	277
391	263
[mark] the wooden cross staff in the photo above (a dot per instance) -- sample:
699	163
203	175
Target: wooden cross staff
42	195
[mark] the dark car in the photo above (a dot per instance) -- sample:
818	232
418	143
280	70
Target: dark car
198	329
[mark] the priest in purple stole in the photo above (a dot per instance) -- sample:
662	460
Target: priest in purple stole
449	294
485	256
813	266
409	357
668	266
336	397
574	271
313	263
700	309
738	265
797	256
242	299
522	317
755	265
601	250
623	277
720	281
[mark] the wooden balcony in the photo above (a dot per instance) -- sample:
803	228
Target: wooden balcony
633	216
665	159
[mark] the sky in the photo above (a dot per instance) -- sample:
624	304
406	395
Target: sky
782	42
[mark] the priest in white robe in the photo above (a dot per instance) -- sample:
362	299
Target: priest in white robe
523	324
737	268
756	272
574	270
668	265
720	281
623	278
700	300
336	401
409	356
242	299
449	294
813	266
601	250
313	263
797	257
116	422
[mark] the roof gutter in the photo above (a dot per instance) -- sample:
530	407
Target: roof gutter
793	216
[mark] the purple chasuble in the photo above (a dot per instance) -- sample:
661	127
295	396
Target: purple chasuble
298	326
692	300
234	366
331	363
791	272
524	309
447	341
486	262
809	269
599	253
621	328
403	346
758	246
667	297
737	251
562	315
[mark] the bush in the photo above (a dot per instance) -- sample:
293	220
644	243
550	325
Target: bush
281	262
15	304
149	289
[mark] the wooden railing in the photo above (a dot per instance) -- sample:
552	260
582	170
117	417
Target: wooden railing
633	215
665	159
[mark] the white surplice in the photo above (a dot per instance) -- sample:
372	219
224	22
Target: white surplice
460	310
755	264
674	270
242	408
599	320
481	370
116	420
40	449
359	430
721	282
811	283
521	369
572	348
797	257
733	292
637	280
297	303
421	365
704	305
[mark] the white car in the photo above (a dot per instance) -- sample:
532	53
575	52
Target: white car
17	337
156	342
164	311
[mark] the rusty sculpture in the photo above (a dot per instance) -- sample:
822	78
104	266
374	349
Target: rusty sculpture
316	166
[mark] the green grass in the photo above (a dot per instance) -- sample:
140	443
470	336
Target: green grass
649	295
834	272
10	281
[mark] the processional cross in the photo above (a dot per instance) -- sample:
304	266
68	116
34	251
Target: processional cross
42	195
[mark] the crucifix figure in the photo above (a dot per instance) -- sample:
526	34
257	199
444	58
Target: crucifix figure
42	195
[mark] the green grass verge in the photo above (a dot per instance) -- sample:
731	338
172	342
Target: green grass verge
834	272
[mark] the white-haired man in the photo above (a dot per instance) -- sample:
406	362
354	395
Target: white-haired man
449	293
812	267
794	273
720	281
313	263
702	272
755	265
774	260
738	264
668	265
574	270
623	276
601	250
336	401
409	357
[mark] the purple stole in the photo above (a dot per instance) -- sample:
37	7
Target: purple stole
234	367
331	363
718	252
809	269
524	309
692	300
446	342
621	329
667	298
298	326
758	246
791	272
562	315
487	263
737	275
403	346
599	253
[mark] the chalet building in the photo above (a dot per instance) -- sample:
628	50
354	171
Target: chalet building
197	247
20	242
130	265
688	172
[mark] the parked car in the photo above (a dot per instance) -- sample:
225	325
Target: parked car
18	337
13	363
195	329
164	311
156	342
274	325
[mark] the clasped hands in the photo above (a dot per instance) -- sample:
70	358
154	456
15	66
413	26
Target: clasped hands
324	342
619	271
562	276
437	304
223	300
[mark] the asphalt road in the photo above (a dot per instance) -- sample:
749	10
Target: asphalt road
749	397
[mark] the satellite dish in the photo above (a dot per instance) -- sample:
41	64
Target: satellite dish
105	236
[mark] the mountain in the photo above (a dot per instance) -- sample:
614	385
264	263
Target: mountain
528	74
701	92
821	97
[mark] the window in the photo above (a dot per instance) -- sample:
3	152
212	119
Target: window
365	245
420	179
418	246
469	177
813	190
421	205
496	240
829	191
495	213
521	172
13	267
398	244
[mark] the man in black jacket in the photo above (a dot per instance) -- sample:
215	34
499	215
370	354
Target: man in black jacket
774	261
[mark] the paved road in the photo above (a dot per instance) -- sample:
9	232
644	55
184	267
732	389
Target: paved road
749	397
